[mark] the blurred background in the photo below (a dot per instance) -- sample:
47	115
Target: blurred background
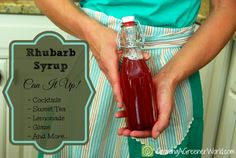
22	20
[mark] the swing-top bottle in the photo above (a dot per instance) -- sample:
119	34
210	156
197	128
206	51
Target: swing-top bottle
136	78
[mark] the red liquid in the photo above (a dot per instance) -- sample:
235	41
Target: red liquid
138	94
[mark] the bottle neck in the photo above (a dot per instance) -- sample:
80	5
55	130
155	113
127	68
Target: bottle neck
133	53
130	41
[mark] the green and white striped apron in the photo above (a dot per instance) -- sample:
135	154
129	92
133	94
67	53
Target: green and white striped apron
162	44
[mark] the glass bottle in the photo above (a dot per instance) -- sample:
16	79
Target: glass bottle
136	79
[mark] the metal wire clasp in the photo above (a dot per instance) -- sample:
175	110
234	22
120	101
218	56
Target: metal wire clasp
140	30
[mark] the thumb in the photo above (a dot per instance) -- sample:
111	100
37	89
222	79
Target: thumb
146	56
160	125
165	100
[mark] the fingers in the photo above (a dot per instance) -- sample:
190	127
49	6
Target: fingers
120	105
124	131
137	134
146	56
165	102
114	80
121	114
116	88
105	53
119	52
160	126
141	134
112	75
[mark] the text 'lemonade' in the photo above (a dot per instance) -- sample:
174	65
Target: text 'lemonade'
136	79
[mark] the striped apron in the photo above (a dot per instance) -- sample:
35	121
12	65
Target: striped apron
162	44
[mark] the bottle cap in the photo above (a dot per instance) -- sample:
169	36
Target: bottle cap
128	19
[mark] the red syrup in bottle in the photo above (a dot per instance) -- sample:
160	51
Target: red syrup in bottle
136	81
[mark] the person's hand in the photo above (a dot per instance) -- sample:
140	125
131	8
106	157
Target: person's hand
165	89
102	42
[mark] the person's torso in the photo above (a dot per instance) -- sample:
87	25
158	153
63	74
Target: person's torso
162	13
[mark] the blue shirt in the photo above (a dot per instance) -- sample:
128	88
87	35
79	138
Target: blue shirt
159	13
